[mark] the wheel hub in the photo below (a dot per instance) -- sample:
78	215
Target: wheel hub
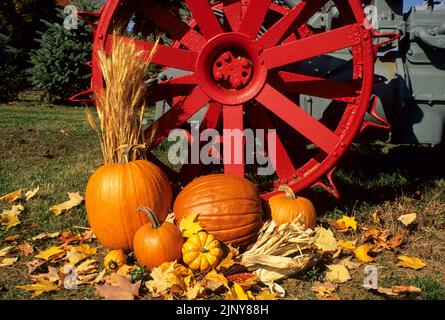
230	69
232	72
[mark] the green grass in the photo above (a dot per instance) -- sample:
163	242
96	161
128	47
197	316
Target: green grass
34	152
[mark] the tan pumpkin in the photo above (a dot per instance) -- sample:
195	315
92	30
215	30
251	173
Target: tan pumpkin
155	243
284	208
229	207
115	259
201	251
113	194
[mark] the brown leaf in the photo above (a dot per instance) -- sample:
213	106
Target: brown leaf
397	290
26	248
121	289
11	197
395	241
214	280
45	236
33	265
325	291
52	275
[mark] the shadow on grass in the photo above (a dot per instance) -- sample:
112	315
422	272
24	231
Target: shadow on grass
374	173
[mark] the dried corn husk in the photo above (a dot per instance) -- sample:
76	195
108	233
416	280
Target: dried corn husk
280	251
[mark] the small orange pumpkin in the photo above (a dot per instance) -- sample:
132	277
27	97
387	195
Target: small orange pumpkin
113	194
284	208
115	259
156	243
229	207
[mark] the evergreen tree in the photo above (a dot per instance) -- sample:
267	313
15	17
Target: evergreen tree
11	77
59	64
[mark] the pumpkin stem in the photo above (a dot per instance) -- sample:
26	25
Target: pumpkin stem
152	216
290	195
204	250
125	156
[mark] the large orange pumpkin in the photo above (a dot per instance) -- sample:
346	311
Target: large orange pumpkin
229	207
284	208
155	243
113	194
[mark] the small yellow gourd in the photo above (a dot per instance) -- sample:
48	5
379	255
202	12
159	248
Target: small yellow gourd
115	259
201	251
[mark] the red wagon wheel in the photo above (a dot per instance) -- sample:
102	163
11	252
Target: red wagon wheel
242	73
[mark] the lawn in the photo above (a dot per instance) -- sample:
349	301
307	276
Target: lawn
54	148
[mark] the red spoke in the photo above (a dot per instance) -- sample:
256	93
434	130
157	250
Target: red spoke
164	55
169	23
313	46
180	86
233	142
233	14
298	119
210	121
313	86
205	18
175	117
255	14
283	164
297	16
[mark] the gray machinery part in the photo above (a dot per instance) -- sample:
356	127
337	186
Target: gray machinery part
409	78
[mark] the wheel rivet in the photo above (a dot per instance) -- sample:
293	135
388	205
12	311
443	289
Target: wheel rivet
226	56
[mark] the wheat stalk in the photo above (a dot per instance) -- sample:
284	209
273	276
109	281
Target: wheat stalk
121	105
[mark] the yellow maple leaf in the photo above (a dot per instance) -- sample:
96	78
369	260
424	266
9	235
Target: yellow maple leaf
410	262
325	240
75	200
52	252
362	253
345	223
189	225
10	218
31	193
348	245
337	273
40	287
11	197
237	293
4	261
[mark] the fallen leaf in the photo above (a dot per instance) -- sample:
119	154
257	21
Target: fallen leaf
372	233
121	289
337	273
362	253
348	245
346	223
349	264
11	197
100	276
31	193
407	219
79	253
325	291
26	248
237	293
6	261
86	271
40	287
397	290
164	280
45	236
214	280
10	218
33	265
194	292
189	225
410	262
325	240
75	200
229	260
266	295
125	270
12	238
51	253
395	241
376	217
52	275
